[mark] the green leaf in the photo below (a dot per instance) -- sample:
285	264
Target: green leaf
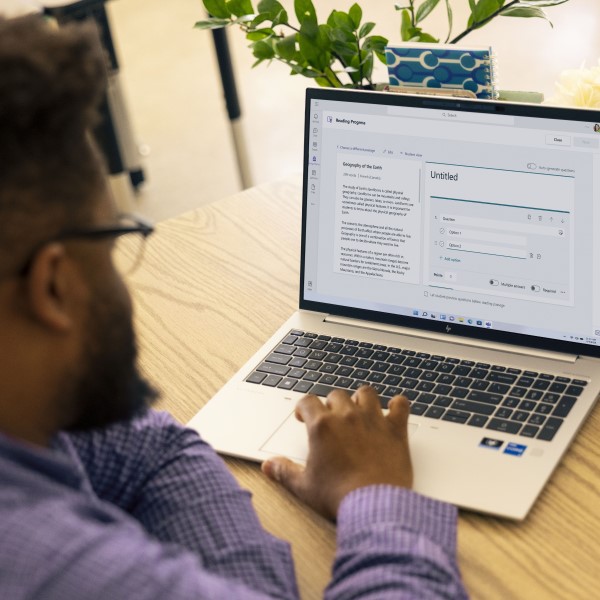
260	34
425	9
342	21
355	13
217	8
426	37
485	9
262	50
213	24
286	47
275	11
260	18
546	2
472	5
240	7
314	44
305	11
525	11
366	29
405	25
450	19
377	44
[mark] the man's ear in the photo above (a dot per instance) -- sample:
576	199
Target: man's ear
49	284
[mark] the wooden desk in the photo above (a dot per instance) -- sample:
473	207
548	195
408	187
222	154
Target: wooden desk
216	283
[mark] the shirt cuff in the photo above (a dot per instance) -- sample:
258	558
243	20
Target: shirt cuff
368	507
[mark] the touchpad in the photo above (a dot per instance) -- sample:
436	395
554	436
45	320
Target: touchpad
290	439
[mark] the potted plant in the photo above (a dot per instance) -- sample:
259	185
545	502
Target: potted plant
340	52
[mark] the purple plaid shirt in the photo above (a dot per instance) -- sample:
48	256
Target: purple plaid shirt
147	510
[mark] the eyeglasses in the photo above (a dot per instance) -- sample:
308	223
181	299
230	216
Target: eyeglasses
128	251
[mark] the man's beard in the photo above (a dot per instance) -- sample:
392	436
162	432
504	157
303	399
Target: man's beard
109	387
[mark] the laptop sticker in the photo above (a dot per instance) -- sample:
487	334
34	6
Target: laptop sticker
515	449
491	443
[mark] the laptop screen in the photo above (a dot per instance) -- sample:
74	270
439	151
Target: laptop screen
464	217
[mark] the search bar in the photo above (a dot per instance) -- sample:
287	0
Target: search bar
450	116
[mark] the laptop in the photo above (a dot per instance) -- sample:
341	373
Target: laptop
449	252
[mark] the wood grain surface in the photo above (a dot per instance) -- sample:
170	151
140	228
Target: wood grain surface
215	283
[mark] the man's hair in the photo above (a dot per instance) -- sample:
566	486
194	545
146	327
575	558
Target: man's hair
51	83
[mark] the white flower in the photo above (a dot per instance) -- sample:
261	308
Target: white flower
578	88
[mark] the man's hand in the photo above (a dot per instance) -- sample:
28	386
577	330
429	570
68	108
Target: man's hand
351	445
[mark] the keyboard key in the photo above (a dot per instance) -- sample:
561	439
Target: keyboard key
541	384
332	357
484	397
581	382
417	408
441	389
527	405
392	380
504	413
551	397
443	401
550	428
317	344
459	392
434	412
358	383
328	368
256	377
380	367
498	368
537	419
302	352
312	336
557	388
325	338
287	383
498	388
360	373
364	364
563	408
411	394
480	384
348	350
297	362
392	391
284	349
455	416
376	377
446	378
396	370
409	384
429	375
328	380
426	397
338	340
505	378
543	408
396	359
444	367
272	380
425	386
364	353
477	421
312	376
290	339
530	373
352	342
412	361
349	361
344	382
273	368
478	373
520	416
317	354
297	373
365	345
312	365
344	371
504	426
333	347
574	390
529	431
321	390
429	365
461	371
534	395
296	332
280	359
303	387
463	382
474	407
303	342
518	392
525	381
380	356
511	402
546	376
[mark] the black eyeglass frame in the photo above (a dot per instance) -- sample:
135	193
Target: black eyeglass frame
139	225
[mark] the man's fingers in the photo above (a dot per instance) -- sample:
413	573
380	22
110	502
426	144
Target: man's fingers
339	400
366	397
308	408
399	409
284	471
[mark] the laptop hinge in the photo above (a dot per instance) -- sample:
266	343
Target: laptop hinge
430	335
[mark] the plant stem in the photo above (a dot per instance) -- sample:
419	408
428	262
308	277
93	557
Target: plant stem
482	23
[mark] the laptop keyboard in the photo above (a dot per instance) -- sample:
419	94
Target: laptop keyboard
495	397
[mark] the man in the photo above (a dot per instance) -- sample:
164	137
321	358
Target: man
103	498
